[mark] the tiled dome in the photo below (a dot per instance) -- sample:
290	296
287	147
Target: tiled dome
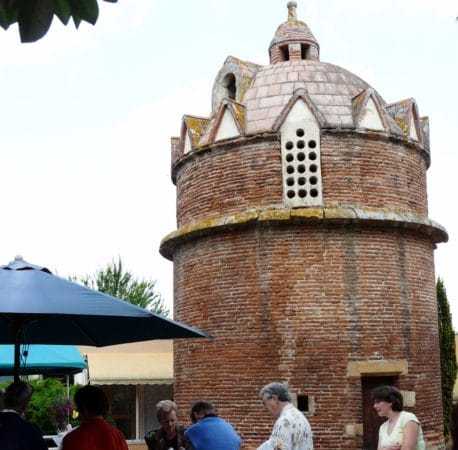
330	88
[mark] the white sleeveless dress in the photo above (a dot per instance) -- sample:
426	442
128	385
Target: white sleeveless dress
397	433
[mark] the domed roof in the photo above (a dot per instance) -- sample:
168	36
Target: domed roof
336	97
331	89
293	30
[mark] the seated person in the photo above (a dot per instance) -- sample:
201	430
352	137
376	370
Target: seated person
94	433
170	435
15	432
210	432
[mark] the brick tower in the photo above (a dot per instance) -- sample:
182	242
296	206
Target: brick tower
304	247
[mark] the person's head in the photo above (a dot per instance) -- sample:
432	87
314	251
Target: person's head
275	396
386	400
201	409
17	396
91	401
166	412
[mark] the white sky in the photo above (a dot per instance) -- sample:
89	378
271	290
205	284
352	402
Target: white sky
86	116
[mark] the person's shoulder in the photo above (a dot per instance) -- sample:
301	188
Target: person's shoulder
192	427
73	434
113	429
383	426
10	417
153	435
28	430
407	416
24	426
290	411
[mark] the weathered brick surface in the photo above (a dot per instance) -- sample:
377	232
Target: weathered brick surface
357	171
298	303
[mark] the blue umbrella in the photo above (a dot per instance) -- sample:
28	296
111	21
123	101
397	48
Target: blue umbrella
37	307
43	359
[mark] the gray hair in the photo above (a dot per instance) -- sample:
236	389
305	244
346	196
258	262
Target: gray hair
165	407
280	390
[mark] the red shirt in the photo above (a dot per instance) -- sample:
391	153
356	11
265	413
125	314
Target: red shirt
95	434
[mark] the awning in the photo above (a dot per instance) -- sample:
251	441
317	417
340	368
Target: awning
137	363
42	359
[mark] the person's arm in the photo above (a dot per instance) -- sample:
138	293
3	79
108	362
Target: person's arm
409	441
281	438
266	446
188	445
149	440
41	444
187	442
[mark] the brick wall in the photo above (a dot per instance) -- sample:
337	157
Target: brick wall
356	171
299	302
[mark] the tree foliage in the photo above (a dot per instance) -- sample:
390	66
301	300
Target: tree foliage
34	17
115	281
447	354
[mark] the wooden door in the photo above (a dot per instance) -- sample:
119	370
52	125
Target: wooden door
371	421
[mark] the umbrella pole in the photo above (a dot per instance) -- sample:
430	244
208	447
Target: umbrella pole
17	357
16	328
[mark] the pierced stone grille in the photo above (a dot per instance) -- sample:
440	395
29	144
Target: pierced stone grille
301	166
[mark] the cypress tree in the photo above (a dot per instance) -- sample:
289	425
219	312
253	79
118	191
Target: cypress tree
447	353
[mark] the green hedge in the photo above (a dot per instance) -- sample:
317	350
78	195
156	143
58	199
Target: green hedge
447	354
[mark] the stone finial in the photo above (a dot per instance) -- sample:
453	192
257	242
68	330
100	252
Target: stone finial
292	14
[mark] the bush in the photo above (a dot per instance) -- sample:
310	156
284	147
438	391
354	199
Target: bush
447	355
47	394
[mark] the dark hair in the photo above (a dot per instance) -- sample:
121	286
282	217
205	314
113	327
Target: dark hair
17	395
202	407
92	400
388	394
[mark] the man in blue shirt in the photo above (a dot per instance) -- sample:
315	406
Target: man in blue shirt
210	432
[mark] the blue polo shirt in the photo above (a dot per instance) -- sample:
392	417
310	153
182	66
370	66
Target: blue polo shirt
213	433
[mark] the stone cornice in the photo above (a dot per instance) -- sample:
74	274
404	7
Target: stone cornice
327	216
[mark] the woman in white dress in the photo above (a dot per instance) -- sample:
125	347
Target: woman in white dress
401	430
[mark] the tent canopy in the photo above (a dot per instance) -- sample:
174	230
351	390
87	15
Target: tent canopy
43	359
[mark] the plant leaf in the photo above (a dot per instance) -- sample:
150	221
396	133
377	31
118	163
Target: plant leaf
76	21
87	10
4	22
63	10
35	17
8	13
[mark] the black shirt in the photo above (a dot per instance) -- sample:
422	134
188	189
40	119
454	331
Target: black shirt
18	434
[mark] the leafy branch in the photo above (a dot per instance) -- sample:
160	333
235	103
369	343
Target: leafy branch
34	17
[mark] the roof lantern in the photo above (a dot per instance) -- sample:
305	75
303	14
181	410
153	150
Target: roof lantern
293	40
